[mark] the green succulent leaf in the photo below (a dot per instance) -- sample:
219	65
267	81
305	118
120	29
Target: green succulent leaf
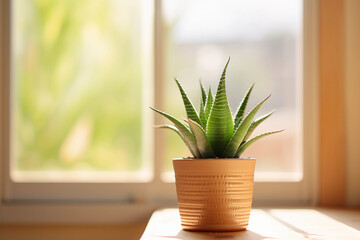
247	144
202	115
256	123
202	142
241	131
170	127
189	107
188	136
173	128
220	125
208	105
242	107
203	93
202	106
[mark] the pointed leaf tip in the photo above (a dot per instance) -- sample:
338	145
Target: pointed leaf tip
247	144
239	134
242	107
203	93
189	107
220	125
186	134
256	123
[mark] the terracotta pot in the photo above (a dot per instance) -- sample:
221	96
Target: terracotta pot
214	194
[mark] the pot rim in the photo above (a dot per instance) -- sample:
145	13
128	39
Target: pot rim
202	159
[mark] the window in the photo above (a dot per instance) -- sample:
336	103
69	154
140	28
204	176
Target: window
83	74
79	68
263	39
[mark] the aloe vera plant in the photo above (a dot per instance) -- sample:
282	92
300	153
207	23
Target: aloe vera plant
214	132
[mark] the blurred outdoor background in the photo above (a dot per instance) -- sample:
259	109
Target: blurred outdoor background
79	78
77	85
263	39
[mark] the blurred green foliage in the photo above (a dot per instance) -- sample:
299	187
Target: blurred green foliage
77	85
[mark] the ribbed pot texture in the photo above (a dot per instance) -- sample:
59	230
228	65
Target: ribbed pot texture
214	194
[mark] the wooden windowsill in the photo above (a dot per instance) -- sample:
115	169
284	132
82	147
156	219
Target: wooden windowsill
71	231
266	223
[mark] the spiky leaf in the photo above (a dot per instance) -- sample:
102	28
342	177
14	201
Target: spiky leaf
188	136
189	107
220	126
202	115
173	128
202	106
256	123
247	144
203	93
242	107
241	131
208	105
202	142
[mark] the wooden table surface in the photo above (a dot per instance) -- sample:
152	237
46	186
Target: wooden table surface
266	223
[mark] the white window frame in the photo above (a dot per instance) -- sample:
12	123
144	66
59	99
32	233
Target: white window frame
131	202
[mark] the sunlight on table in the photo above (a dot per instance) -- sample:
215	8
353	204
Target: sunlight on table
265	224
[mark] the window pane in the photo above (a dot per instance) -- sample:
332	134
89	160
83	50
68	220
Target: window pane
78	74
263	39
